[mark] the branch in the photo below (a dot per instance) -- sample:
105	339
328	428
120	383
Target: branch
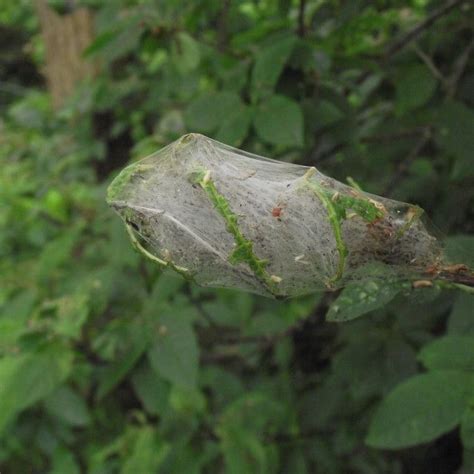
421	27
430	64
459	275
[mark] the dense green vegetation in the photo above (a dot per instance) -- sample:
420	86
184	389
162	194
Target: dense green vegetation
109	365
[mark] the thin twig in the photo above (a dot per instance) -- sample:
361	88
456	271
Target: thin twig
458	70
421	27
459	279
406	162
313	156
430	64
391	137
301	22
222	33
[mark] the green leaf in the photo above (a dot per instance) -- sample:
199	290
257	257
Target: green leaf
234	130
208	112
420	409
164	289
148	452
116	372
467	428
326	113
13	317
191	459
358	299
174	355
269	64
241	431
455	127
296	462
101	40
152	390
461	321
235	78
243	453
187	402
254	411
460	249
68	406
54	204
27	378
279	121
57	253
120	40
415	87
186	52
72	313
64	463
449	352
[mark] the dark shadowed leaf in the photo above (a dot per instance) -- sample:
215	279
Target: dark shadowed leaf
26	379
467	428
279	121
63	462
208	112
415	87
68	406
449	352
269	64
112	375
151	389
461	321
174	354
455	134
234	130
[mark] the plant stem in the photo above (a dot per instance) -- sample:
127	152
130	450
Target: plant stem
163	263
244	247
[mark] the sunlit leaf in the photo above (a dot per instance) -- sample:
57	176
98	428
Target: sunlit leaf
360	298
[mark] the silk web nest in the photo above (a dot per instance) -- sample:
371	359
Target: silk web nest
226	218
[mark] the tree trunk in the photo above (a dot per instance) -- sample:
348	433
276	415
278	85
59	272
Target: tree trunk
65	38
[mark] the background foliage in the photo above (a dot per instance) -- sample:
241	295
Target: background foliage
109	366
